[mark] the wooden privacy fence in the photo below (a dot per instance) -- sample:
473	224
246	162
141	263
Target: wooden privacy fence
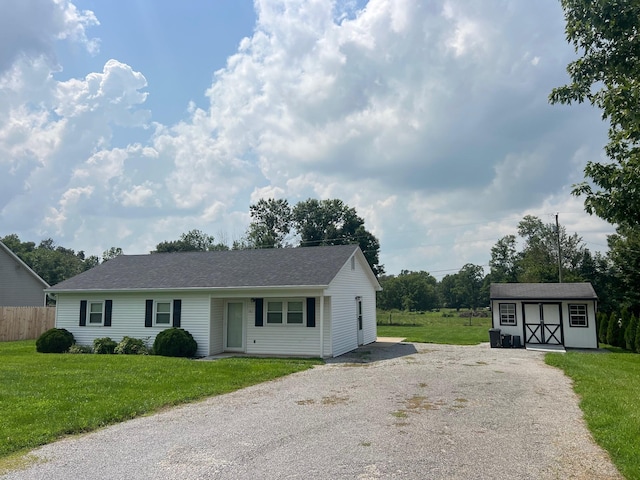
25	323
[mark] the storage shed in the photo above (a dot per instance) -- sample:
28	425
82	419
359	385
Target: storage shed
546	313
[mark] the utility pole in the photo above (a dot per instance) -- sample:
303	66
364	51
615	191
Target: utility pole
559	251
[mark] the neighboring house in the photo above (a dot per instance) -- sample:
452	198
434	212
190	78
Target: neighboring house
19	285
312	301
546	313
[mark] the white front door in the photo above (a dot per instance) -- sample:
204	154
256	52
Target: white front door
234	331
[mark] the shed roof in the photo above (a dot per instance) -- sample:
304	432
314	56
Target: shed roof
542	291
278	267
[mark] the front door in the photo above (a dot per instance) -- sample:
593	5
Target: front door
543	323
234	336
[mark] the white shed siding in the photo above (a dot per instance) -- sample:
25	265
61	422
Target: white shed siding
516	329
574	337
216	343
346	286
18	287
282	339
128	317
580	337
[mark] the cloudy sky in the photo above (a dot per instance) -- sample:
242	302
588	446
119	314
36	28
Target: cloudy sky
126	123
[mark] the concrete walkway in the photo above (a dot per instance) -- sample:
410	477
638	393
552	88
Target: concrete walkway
388	410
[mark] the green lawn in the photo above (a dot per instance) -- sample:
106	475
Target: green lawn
45	396
434	327
609	390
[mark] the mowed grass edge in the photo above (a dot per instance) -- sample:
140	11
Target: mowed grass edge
434	327
609	389
46	396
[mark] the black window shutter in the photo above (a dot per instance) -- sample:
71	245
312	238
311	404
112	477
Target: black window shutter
311	312
148	313
108	306
259	313
83	313
177	311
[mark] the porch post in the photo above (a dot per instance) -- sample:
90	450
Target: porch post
321	323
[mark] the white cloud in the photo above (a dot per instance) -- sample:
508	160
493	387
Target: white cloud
430	118
29	28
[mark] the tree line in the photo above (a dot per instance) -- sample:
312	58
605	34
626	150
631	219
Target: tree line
274	224
537	253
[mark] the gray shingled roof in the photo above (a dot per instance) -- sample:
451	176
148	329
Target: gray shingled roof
310	266
542	291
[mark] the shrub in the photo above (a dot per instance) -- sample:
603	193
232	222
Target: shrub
55	340
132	346
80	349
104	345
602	327
630	334
175	342
637	341
613	329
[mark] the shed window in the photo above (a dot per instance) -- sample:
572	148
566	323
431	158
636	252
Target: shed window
507	314
163	313
289	312
578	315
96	310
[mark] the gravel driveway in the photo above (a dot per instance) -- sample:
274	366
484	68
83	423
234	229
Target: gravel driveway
414	411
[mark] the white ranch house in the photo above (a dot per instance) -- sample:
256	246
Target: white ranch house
313	301
546	313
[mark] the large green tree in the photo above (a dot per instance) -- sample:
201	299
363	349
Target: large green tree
606	36
192	241
409	291
270	224
331	222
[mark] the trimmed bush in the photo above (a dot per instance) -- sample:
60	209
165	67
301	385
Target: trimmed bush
75	348
132	346
175	342
104	345
55	340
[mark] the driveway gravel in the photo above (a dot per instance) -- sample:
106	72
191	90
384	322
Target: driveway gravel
387	410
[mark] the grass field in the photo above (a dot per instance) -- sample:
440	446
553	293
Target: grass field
46	396
609	390
434	327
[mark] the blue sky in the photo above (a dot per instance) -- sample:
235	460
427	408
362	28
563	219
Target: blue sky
128	123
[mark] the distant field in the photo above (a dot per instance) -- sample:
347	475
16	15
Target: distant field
445	326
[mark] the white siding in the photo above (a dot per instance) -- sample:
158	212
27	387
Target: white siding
580	337
128	317
216	344
18	287
574	337
345	287
282	339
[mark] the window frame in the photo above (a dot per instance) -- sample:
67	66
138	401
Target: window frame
89	323
505	317
285	312
155	313
572	316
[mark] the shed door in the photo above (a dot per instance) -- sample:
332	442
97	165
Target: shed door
543	323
